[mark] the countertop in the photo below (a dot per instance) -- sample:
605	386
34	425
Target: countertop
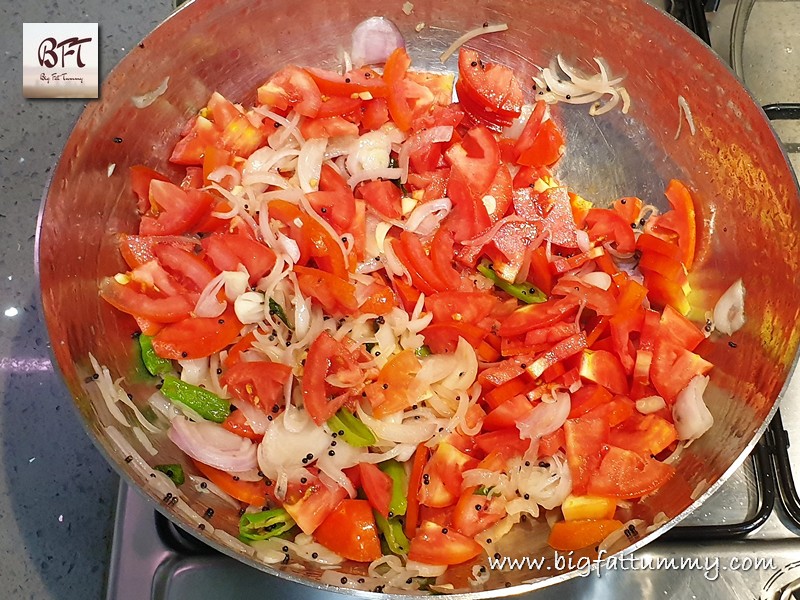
57	494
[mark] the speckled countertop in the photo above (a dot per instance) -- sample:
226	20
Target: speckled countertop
56	492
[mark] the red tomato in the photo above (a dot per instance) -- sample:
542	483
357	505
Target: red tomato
477	513
356	81
443	337
292	86
137	250
376	113
326	356
574	535
377	486
422	263
587	398
681	219
628	208
241	137
647	243
197	337
185	265
380	301
336	295
673	367
227	251
562	350
441	478
461	307
221	110
437	545
350	531
508	414
141	177
585	438
605	224
506	391
469	217
506	371
407	294
128	300
547	147
604	369
442	258
177	210
393	73
477	157
648	435
676	328
237	423
550	210
505	441
414	483
335	106
626	475
259	382
599	300
314	506
382	196
191	148
530	131
334	201
492	87
327	127
253	493
393	390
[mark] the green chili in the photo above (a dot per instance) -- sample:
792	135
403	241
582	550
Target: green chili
174	472
206	404
351	429
277	310
482	491
526	292
264	525
152	361
422	351
399	502
392	530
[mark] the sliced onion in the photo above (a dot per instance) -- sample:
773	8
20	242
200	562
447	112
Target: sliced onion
289	247
213	445
408	432
545	417
484	239
598	279
283	451
473	33
690	413
421	139
289	127
148	98
650	404
309	164
685	111
425	218
206	486
224	171
729	310
374	40
256	418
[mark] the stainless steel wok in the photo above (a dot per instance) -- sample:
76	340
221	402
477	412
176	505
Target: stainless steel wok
747	195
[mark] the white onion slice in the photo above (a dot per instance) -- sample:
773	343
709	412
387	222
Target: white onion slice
220	173
729	310
473	33
256	418
148	98
650	404
421	139
387	173
213	445
207	304
309	164
545	417
425	218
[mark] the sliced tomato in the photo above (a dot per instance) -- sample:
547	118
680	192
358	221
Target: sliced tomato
505	441
606	225
534	316
420	262
328	127
237	423
648	435
337	106
141	177
477	157
628	208
492	87
336	295
530	131
377	486
469	217
292	86
546	148
675	327
508	413
673	367
326	357
260	382
334	201
605	369
356	81
462	307
314	506
197	337
253	493
376	113
442	258
587	398
393	390
350	531
414	482
393	73
437	545
585	439
191	148
476	513
562	350
551	210
186	266
441	478
227	251
443	337
139	249
681	219
506	391
175	211
626	475
380	301
574	535
127	299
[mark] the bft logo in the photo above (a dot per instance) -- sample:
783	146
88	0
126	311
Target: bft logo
60	60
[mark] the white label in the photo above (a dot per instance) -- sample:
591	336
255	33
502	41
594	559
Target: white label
60	60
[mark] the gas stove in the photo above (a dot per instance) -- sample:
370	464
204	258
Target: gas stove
743	543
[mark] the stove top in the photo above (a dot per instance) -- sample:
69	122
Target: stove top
743	543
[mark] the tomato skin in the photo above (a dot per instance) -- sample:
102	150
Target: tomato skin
336	197
227	251
414	253
477	157
314	506
292	86
197	337
546	148
365	79
627	475
468	218
605	223
508	413
437	545
185	264
236	423
648	436
681	219
530	131
443	337
505	441
377	485
258	382
141	177
336	295
393	390
414	482
191	148
350	531
605	369
178	210
574	535
136	250
493	88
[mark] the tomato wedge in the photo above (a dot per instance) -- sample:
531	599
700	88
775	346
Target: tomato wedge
626	475
350	531
437	545
326	356
197	337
